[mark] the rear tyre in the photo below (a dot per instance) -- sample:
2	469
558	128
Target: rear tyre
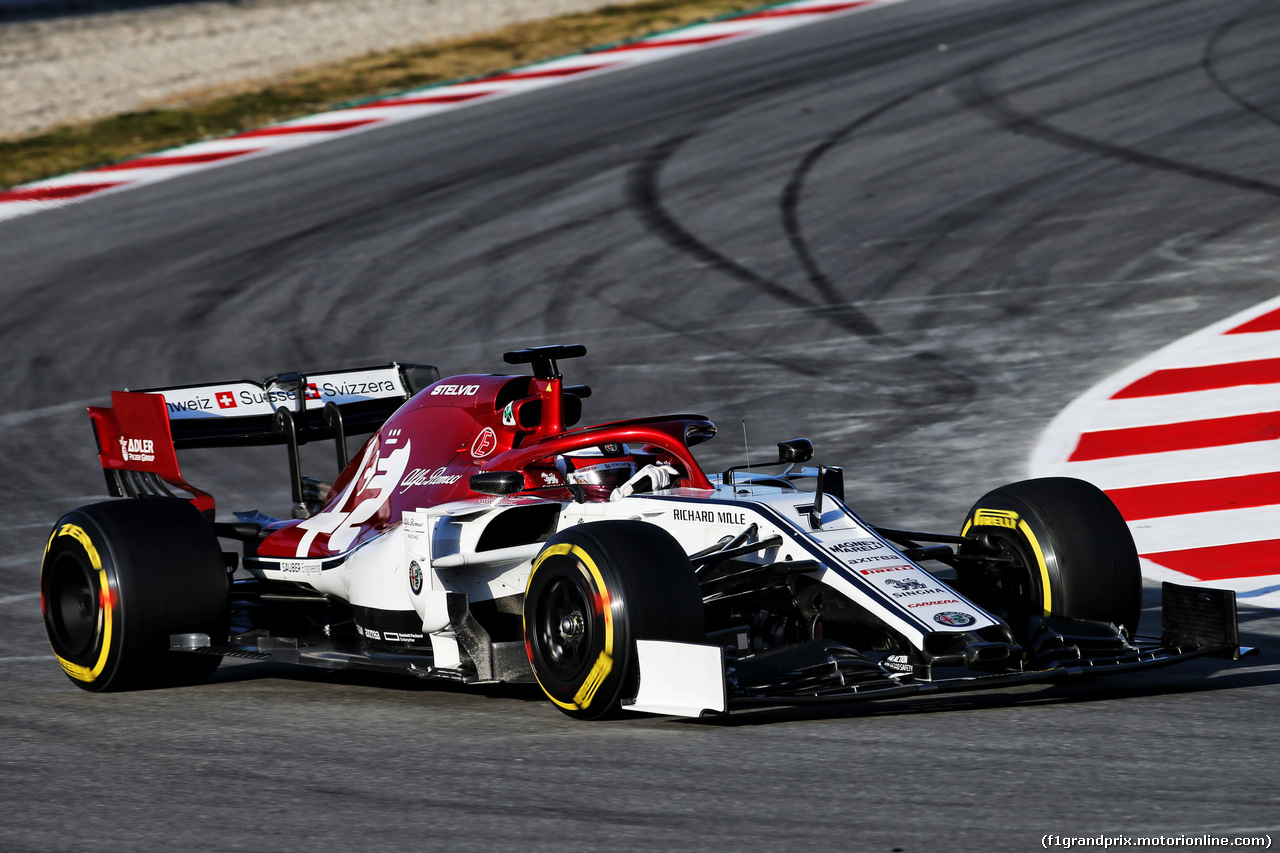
118	579
594	590
1073	555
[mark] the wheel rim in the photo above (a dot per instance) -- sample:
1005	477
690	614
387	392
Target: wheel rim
563	628
74	608
1021	581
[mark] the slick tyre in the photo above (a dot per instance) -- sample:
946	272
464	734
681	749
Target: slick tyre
1072	552
118	578
594	590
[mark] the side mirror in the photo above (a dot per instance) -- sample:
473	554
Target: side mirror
497	482
795	451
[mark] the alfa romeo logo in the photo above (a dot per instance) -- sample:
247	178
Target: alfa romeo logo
415	577
954	618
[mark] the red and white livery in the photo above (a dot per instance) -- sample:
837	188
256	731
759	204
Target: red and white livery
481	535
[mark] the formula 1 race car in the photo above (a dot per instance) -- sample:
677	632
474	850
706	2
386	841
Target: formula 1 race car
478	537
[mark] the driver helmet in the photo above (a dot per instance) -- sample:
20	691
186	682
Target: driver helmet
598	470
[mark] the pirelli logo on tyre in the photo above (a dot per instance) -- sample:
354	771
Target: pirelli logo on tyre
598	599
599	671
996	518
1010	520
105	605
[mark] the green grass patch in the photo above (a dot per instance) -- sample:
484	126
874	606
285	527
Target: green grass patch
317	89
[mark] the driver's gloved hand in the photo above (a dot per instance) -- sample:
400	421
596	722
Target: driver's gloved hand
650	478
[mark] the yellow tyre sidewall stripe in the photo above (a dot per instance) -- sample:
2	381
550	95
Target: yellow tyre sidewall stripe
985	517
604	663
76	671
1025	529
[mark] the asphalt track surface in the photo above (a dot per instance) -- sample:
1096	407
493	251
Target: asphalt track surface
913	235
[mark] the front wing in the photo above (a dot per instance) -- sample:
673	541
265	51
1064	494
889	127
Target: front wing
694	680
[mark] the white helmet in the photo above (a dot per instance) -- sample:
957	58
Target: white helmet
598	470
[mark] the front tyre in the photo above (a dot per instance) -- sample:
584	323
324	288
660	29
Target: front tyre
1063	550
118	578
593	591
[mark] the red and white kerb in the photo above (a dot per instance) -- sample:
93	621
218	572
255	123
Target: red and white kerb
1187	444
404	107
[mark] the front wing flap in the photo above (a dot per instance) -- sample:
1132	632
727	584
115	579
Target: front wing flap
693	680
1195	622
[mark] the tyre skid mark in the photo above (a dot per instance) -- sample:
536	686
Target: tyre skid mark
1210	66
977	97
792	196
1191	525
381	111
646	196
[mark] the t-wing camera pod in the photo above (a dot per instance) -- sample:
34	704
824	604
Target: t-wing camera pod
794	452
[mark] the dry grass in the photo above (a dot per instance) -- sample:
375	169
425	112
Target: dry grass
221	113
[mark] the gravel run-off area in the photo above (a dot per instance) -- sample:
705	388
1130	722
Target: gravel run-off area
65	70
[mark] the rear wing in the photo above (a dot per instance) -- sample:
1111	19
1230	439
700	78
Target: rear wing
139	433
246	413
